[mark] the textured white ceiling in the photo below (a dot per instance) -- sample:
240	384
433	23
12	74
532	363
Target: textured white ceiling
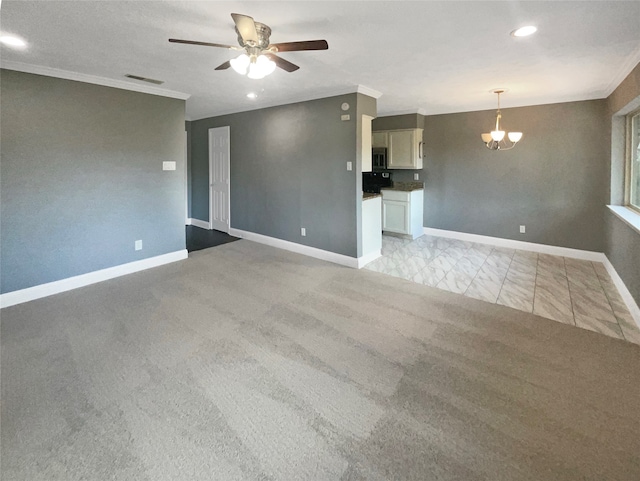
429	56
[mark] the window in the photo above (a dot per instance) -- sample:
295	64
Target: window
632	178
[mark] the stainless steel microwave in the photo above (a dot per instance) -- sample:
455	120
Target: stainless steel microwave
379	158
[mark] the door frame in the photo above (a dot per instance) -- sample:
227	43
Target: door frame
186	178
211	131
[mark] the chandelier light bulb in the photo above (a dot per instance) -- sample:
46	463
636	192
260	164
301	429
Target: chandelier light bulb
514	136
497	135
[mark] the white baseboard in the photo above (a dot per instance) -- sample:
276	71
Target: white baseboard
624	291
44	290
199	223
514	244
553	250
297	248
364	260
188	221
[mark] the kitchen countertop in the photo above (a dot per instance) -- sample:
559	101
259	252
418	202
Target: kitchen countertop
369	195
406	186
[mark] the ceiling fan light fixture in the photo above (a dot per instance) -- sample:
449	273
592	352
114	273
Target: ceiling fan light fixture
240	64
260	67
267	64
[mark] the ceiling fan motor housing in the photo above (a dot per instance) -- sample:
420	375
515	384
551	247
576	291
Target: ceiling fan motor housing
263	33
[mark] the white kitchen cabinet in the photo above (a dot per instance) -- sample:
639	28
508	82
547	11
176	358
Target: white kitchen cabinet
402	212
379	139
396	216
404	147
371	227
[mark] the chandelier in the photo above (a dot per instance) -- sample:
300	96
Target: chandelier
496	139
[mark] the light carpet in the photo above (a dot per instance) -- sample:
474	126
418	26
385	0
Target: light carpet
246	362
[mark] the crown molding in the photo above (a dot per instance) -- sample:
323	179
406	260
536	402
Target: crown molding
419	111
625	70
91	79
363	89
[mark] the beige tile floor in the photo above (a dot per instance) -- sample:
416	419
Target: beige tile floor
576	292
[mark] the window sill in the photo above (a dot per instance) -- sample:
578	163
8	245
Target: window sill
627	215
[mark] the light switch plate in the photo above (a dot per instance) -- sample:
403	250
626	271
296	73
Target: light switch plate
138	245
349	165
169	165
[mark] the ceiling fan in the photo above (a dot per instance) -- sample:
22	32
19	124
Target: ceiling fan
259	57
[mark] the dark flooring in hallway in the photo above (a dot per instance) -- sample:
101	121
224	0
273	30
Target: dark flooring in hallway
198	239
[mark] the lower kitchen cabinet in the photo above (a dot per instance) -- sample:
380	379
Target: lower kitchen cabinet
402	212
371	226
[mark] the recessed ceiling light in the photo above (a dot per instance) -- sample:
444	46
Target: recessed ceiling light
12	41
252	95
524	31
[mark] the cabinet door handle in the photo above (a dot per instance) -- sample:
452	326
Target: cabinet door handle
421	150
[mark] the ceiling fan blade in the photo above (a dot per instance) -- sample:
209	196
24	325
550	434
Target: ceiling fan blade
282	63
298	46
224	66
246	27
206	44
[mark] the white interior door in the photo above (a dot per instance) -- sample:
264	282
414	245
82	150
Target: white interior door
219	147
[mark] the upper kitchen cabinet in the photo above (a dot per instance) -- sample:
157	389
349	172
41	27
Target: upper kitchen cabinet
380	139
405	149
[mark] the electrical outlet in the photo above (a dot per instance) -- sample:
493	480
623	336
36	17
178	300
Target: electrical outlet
303	231
416	176
138	245
349	166
522	229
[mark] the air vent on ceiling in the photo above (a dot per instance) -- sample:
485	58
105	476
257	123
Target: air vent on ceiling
144	79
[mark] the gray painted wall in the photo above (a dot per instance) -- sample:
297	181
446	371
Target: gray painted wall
397	122
555	181
288	170
622	245
623	251
82	179
187	128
